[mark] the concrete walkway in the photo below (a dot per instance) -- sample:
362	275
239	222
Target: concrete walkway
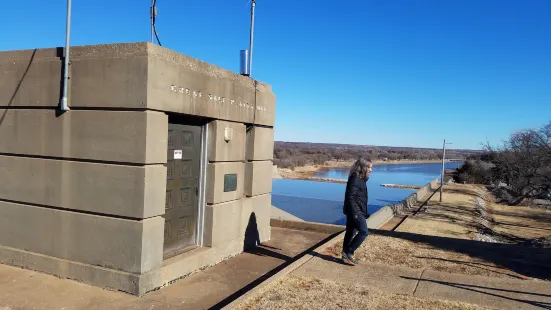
217	286
484	291
24	289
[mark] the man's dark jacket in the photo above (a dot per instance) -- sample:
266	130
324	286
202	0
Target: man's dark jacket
355	198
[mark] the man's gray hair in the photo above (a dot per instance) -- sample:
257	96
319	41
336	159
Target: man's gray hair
359	168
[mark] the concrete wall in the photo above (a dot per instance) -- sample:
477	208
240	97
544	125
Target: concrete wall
83	192
234	222
223	214
241	216
120	244
216	172
386	213
134	76
110	189
260	143
380	217
178	83
226	141
428	188
87	135
258	172
258	177
262	208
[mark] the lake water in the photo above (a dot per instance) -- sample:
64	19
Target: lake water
322	202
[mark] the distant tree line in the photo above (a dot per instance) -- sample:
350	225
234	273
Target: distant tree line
519	168
296	154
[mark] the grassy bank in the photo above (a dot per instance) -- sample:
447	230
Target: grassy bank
444	245
439	237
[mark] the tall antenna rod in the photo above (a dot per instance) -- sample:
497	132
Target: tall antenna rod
152	16
253	4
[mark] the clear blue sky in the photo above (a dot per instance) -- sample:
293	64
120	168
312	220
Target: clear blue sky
399	73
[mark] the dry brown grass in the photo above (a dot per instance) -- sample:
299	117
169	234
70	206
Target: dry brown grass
400	252
293	292
457	217
453	217
520	222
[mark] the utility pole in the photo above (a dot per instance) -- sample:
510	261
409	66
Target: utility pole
442	175
251	38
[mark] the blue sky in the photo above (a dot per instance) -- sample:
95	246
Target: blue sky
399	73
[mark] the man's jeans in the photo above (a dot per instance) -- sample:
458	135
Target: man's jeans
354	223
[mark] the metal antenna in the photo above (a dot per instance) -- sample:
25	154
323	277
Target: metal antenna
253	4
153	15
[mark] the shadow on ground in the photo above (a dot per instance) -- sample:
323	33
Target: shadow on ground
495	292
526	261
252	245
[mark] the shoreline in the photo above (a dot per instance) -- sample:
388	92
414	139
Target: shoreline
307	172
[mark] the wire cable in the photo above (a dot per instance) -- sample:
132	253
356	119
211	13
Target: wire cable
153	19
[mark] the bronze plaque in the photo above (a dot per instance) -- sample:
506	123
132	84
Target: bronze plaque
230	182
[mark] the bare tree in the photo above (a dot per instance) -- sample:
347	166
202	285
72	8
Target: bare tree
524	162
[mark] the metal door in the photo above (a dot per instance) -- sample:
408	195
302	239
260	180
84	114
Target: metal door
182	188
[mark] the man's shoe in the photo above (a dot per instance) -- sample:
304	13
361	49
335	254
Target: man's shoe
352	259
346	260
349	259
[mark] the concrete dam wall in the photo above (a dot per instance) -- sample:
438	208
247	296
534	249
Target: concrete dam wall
386	213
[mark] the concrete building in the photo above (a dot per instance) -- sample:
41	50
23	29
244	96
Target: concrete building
162	167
